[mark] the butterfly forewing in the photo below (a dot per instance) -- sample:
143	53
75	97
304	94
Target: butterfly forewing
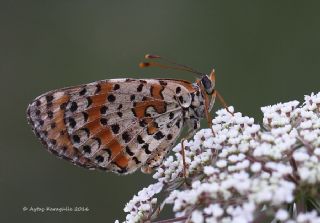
117	125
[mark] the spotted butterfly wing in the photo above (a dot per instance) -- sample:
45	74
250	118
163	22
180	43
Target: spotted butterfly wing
117	125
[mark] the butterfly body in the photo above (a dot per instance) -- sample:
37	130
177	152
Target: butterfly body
118	125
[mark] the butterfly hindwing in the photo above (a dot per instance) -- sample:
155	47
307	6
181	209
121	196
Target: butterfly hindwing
46	116
117	125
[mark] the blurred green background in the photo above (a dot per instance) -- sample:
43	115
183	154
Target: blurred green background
264	52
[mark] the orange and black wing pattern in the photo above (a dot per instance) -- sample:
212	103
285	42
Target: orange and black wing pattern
116	125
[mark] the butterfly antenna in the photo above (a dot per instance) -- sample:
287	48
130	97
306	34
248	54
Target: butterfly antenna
174	65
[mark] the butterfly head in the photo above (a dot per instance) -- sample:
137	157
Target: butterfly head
208	87
208	82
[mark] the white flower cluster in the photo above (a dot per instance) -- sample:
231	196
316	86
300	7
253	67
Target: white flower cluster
141	206
239	171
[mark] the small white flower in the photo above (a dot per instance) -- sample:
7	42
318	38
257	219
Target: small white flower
306	124
317	151
221	163
233	158
256	167
300	156
209	170
282	215
197	217
308	217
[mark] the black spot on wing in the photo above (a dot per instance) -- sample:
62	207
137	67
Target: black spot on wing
163	83
74	106
111	98
104	121
49	98
159	135
146	148
128	150
38	103
83	91
139	88
72	122
142	123
126	137
99	159
116	87
178	90
103	109
115	128
136	160
76	138
178	123
87	149
139	139
50	114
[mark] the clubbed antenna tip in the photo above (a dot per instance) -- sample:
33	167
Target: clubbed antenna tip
150	56
144	64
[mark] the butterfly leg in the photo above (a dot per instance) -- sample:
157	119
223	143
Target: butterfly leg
223	102
184	159
207	109
209	121
215	95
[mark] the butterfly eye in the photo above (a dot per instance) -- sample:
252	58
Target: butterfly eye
207	84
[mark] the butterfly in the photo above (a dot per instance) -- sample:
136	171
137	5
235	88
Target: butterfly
121	125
